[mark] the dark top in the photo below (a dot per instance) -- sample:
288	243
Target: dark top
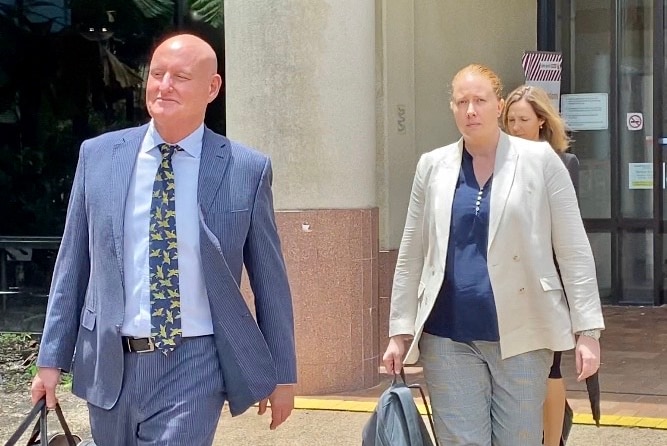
572	164
465	310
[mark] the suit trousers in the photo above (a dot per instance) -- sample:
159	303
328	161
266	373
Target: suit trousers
480	399
165	400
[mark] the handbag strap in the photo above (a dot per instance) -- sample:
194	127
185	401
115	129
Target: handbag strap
428	411
429	416
41	428
36	409
63	424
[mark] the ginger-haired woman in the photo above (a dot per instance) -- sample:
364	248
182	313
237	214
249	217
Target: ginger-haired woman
476	293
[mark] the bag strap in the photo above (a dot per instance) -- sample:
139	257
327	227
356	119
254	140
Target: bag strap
428	411
40	429
63	424
429	415
36	410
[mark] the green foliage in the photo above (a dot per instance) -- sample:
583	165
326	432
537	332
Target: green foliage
155	8
210	11
66	381
19	351
18	354
14	339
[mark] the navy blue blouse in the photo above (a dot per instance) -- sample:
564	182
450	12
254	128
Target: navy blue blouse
464	310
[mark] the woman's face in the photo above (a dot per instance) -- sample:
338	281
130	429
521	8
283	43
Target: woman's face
522	121
476	108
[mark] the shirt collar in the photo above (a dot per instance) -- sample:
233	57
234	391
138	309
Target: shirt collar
190	144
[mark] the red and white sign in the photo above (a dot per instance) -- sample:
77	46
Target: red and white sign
543	69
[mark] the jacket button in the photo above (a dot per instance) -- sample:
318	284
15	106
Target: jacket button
521	290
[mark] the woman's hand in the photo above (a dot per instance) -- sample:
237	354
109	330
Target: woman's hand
587	356
393	356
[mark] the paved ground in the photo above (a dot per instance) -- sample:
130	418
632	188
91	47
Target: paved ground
330	428
633	381
327	428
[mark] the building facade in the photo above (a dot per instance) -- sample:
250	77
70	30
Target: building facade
345	96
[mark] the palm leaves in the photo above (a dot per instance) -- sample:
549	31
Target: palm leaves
155	8
208	11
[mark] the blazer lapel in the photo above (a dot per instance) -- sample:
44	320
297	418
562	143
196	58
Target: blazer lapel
215	156
503	177
122	163
445	180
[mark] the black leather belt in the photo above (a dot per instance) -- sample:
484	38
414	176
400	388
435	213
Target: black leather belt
145	345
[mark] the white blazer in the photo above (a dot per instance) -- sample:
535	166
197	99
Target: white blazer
533	214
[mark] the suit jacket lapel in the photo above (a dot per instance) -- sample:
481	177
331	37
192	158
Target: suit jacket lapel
215	156
503	177
122	163
445	181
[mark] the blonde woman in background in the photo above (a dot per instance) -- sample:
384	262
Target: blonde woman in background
476	295
529	114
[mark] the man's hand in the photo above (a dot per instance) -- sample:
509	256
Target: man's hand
587	357
393	356
282	403
45	383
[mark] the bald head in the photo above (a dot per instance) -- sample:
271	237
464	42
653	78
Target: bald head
195	47
182	81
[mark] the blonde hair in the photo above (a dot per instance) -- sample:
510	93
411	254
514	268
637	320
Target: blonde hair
483	71
553	130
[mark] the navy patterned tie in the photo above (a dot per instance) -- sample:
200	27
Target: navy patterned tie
163	257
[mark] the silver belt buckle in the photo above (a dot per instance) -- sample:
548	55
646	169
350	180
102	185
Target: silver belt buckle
151	345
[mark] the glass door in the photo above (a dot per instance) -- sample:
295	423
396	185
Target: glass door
634	135
617	49
584	36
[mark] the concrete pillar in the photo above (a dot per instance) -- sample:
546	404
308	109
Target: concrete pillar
300	86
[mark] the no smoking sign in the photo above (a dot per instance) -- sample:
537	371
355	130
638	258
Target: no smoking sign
635	121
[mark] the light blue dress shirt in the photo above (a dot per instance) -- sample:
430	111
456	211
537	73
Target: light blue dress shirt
195	311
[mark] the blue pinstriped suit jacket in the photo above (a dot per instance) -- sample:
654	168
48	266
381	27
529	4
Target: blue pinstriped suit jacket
237	226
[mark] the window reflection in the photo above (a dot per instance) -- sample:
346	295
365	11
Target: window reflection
70	70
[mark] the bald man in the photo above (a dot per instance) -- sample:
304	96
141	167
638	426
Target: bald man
145	307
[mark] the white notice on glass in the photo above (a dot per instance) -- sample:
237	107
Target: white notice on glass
585	111
640	175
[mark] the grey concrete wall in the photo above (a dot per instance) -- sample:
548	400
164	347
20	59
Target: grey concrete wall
301	87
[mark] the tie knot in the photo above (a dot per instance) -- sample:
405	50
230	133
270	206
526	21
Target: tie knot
167	150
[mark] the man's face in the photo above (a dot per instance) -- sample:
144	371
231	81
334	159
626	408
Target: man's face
180	85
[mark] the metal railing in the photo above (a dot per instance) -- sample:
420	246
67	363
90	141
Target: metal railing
18	251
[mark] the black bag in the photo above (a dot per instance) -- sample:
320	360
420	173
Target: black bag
39	434
396	421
